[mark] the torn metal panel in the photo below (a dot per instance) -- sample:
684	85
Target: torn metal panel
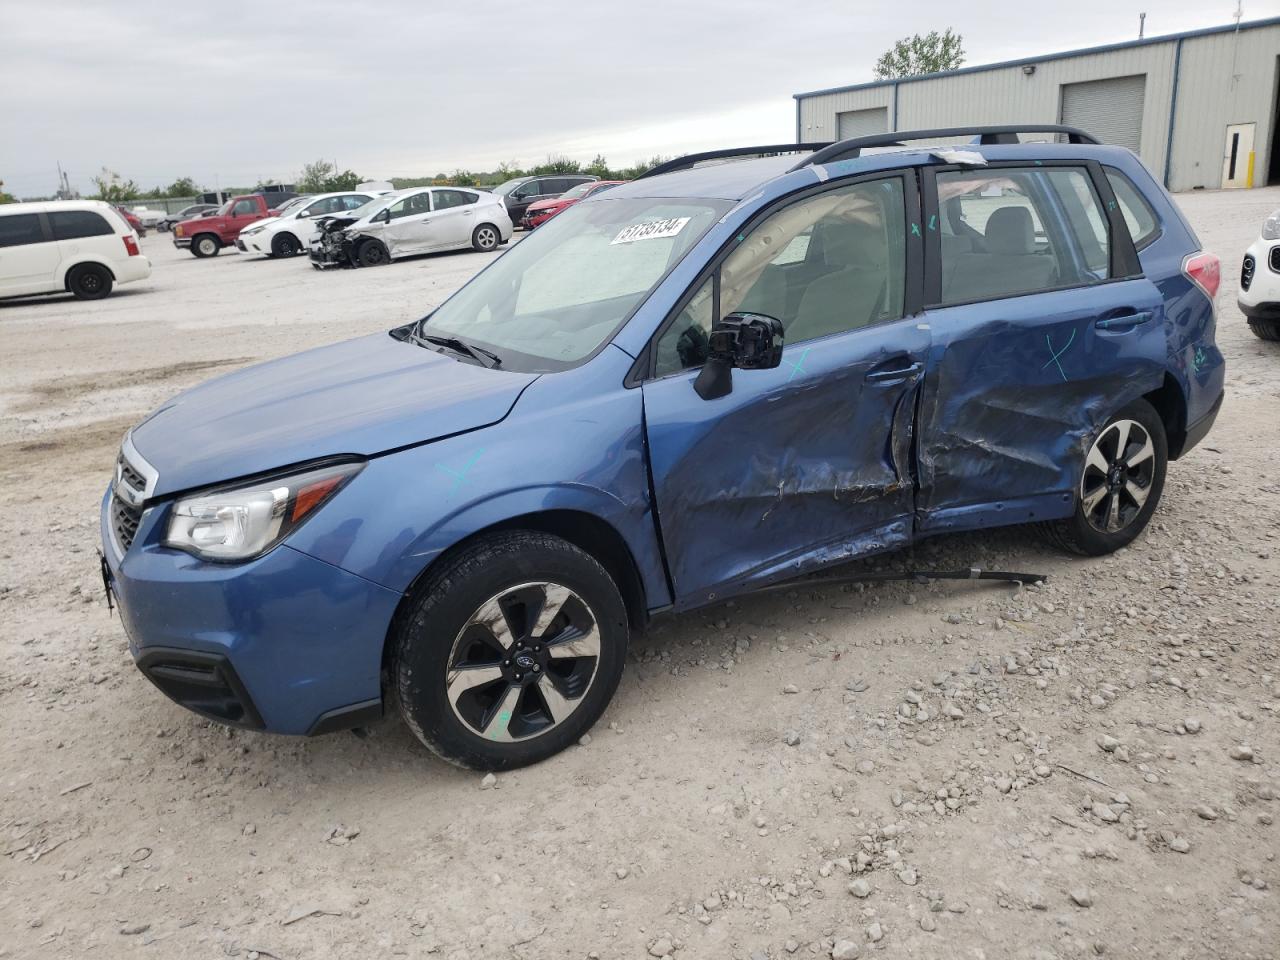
797	467
1016	391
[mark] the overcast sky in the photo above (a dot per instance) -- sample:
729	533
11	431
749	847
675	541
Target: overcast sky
229	92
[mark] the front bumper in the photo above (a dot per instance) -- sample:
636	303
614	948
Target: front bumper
1259	296
284	643
184	242
252	244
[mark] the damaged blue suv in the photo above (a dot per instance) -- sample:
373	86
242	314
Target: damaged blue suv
729	373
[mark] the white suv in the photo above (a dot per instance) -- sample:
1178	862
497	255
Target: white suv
78	246
1259	297
291	232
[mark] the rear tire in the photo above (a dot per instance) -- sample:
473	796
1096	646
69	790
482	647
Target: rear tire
510	651
285	245
373	254
485	238
1265	329
205	245
1120	484
89	281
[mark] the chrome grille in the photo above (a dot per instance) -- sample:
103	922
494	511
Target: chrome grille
135	481
1246	272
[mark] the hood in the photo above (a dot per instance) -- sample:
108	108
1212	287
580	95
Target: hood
264	222
363	396
553	203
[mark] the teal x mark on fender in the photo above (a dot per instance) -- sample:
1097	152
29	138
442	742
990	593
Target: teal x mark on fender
460	475
1055	353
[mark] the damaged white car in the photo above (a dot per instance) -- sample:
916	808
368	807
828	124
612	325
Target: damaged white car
409	222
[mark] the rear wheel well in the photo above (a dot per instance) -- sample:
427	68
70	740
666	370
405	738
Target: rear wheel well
66	277
1172	407
586	531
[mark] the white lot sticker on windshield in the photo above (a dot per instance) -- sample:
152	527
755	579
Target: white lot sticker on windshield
650	230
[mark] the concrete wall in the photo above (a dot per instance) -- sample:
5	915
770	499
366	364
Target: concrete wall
1207	100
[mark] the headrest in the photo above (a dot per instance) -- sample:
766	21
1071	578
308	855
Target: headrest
1009	232
852	245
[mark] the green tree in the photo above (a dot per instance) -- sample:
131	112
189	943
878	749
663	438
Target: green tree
6	197
314	175
599	167
113	188
463	178
346	180
915	55
508	170
557	163
642	166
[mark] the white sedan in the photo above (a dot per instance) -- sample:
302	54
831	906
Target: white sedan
413	221
1259	297
291	231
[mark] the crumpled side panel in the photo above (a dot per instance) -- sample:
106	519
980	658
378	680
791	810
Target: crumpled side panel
1012	404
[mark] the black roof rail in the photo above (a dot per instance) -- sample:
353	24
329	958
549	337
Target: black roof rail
849	149
691	159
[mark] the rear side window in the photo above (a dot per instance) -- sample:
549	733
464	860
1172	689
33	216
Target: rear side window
74	224
453	198
1000	234
18	229
1137	213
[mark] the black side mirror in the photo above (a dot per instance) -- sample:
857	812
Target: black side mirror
750	341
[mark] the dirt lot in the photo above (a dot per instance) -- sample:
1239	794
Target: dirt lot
1091	767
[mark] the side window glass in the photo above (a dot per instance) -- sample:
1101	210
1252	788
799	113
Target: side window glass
244	208
827	264
351	202
74	224
18	229
993	236
1137	213
450	198
1088	225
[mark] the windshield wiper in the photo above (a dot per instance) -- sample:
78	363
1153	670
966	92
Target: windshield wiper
486	358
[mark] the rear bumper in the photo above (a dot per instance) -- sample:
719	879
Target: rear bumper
1199	430
1260	311
284	643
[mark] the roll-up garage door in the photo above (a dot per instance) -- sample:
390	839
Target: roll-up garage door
862	123
1111	109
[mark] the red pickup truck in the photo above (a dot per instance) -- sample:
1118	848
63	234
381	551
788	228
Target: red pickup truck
205	236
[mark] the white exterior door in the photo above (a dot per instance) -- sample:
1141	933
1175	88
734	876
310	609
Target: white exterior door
28	261
454	216
411	228
1237	156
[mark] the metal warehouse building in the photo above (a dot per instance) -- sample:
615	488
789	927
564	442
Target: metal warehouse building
1202	109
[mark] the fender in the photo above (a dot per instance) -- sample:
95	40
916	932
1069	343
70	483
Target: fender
409	506
65	268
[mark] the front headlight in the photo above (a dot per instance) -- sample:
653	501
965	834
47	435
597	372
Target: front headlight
239	523
251	231
1271	229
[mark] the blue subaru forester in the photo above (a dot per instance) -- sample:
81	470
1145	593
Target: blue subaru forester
724	375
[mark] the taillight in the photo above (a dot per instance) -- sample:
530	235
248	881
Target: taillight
1204	270
130	245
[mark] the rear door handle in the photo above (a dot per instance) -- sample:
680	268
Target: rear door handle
894	370
1122	322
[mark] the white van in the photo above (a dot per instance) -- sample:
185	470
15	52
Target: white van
79	246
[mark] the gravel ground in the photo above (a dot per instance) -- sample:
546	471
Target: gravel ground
953	770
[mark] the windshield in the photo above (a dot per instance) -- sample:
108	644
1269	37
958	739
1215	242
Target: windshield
579	191
290	204
368	207
225	209
555	297
503	189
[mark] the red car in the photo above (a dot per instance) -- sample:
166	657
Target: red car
133	221
544	210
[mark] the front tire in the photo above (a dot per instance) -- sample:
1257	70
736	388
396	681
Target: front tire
1265	329
285	245
1120	484
89	281
373	254
205	245
510	651
485	238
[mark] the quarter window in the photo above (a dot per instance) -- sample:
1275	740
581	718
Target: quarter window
1137	213
18	229
1000	236
74	224
827	264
